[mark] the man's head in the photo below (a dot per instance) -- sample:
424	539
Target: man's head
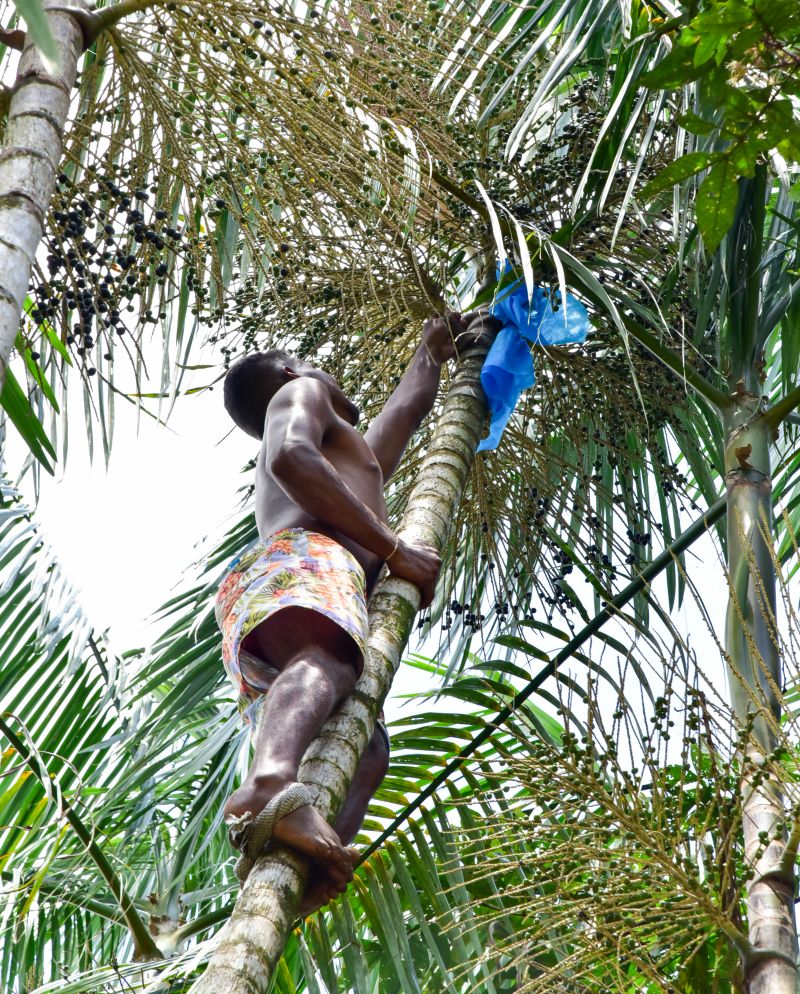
252	382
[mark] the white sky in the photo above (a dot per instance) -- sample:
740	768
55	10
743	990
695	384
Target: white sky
124	536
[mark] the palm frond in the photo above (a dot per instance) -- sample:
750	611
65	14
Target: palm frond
62	696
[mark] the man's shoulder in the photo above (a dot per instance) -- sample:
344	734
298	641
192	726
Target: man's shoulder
304	399
304	388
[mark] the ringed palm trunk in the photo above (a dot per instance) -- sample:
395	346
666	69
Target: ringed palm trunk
751	629
752	645
29	162
253	939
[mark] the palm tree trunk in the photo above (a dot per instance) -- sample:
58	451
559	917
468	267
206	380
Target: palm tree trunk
751	633
251	943
752	646
29	162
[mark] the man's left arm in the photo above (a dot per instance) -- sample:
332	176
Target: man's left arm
413	398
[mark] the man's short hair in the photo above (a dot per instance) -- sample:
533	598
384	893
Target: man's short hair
250	385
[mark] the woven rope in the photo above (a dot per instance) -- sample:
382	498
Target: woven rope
251	834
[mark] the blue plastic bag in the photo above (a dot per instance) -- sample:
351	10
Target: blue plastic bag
508	368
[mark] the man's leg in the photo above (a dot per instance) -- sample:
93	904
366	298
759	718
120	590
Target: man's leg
318	664
371	771
324	887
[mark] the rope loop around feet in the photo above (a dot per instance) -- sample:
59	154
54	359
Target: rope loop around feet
251	834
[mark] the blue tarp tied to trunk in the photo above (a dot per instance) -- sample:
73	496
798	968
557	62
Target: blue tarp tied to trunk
508	369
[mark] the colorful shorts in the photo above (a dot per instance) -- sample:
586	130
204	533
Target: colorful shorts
291	568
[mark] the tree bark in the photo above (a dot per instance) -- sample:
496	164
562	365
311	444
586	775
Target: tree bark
251	943
752	647
29	162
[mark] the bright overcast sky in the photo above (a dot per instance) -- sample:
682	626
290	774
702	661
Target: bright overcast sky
124	536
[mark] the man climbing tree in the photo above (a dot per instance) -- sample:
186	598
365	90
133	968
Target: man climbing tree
293	609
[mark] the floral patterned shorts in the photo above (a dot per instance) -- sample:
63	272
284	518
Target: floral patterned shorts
291	568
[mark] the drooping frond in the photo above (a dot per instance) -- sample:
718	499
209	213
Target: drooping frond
61	695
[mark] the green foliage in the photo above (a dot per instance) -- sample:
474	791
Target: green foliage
17	406
717	198
61	699
743	56
679	170
621	893
160	764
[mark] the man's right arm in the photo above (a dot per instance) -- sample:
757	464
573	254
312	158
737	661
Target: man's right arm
299	415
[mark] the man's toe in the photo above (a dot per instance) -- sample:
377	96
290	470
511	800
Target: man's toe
333	855
343	859
339	874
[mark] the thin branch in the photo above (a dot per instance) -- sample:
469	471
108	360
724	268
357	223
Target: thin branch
453	188
428	283
783	409
201	923
645	578
143	942
14	39
94	22
785	864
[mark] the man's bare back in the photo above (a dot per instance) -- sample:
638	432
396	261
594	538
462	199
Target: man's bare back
345	448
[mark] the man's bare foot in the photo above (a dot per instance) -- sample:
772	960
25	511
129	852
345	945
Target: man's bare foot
304	829
324	886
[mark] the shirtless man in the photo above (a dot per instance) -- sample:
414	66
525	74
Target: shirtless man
293	610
